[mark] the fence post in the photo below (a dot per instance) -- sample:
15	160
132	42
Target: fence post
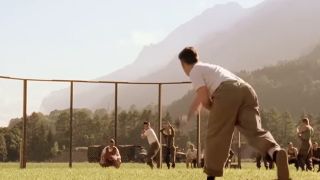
116	113
160	121
23	158
71	124
239	150
198	140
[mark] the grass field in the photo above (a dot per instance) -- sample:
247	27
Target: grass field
134	171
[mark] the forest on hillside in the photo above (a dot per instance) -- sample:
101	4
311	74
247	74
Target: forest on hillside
290	86
48	135
287	92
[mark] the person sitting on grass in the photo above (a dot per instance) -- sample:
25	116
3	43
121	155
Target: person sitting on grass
293	155
110	156
191	156
316	155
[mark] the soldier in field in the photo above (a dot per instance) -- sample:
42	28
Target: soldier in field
316	155
293	155
168	133
305	132
110	156
232	103
153	152
191	157
267	162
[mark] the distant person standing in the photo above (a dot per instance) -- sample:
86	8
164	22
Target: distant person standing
191	157
293	155
305	132
153	152
316	155
170	150
267	162
232	103
110	156
229	159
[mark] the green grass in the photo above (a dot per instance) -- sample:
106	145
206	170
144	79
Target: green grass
130	171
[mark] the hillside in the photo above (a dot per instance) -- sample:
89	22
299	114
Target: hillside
153	57
266	34
292	86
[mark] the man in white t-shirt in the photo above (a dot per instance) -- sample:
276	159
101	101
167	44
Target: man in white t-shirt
232	103
153	152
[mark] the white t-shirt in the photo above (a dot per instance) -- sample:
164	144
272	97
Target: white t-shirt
151	136
210	75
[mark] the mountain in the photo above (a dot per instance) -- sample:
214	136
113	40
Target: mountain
264	35
153	57
292	86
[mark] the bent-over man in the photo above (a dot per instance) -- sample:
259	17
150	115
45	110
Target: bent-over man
232	103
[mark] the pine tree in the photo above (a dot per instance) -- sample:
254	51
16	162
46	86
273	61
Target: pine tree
3	148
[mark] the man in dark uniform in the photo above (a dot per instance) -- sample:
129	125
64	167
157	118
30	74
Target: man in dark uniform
305	132
293	155
170	151
316	155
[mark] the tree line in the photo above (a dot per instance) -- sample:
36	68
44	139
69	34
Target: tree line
48	135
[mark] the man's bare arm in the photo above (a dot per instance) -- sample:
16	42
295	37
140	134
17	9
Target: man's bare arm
202	98
143	136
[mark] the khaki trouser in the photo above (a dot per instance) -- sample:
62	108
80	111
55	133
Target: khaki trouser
235	104
305	155
153	154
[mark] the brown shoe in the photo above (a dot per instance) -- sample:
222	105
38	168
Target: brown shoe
282	165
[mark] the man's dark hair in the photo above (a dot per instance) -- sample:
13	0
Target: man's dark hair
189	55
146	123
112	140
306	121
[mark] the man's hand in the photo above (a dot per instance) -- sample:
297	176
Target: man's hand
202	98
142	134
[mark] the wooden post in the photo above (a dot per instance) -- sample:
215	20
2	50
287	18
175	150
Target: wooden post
116	113
160	122
198	141
23	154
239	150
71	124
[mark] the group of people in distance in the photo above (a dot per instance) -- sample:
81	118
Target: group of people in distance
232	103
168	134
110	155
308	155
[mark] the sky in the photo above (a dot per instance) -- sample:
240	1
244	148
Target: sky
80	39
